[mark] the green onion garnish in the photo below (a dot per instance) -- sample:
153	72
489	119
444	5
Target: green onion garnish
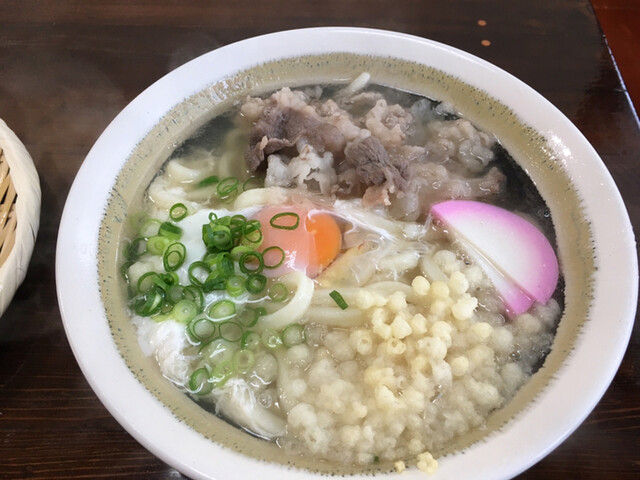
338	299
252	233
198	273
169	230
227	187
285	220
199	382
238	220
157	244
184	311
208	181
174	256
217	280
231	331
249	317
235	285
175	293
201	330
137	248
177	212
248	261
293	334
250	340
221	373
279	256
278	292
271	339
237	252
222	309
169	279
195	294
124	271
220	238
149	228
150	303
256	283
146	281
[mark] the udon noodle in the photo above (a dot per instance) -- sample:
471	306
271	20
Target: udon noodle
286	273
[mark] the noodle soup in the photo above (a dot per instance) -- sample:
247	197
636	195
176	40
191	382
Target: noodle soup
298	268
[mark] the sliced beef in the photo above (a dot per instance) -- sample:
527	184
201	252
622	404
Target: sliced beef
372	163
280	128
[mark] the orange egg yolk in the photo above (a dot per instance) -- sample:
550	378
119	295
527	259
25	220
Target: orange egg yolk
310	247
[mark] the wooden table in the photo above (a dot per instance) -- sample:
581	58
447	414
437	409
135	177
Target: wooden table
66	69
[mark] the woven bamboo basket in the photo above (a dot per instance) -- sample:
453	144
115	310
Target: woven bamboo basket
19	213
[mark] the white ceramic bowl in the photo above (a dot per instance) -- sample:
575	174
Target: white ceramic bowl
592	224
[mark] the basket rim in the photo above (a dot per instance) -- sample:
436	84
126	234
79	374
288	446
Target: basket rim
25	180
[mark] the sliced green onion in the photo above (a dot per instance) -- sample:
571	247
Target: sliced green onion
223	263
184	311
222	372
293	335
208	181
256	283
271	339
146	281
161	282
216	280
199	382
235	285
150	227
150	303
124	270
243	360
249	259
222	309
201	330
175	293
250	340
338	299
169	230
252	233
249	317
237	252
195	294
230	331
137	248
198	273
157	244
221	238
278	292
166	308
238	220
207	236
252	182
174	256
285	220
227	186
170	278
280	255
177	212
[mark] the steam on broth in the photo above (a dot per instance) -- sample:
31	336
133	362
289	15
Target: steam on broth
286	272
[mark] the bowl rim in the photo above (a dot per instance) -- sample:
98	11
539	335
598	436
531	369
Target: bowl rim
154	426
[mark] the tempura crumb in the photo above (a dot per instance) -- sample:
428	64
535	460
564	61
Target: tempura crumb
420	285
400	466
427	463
